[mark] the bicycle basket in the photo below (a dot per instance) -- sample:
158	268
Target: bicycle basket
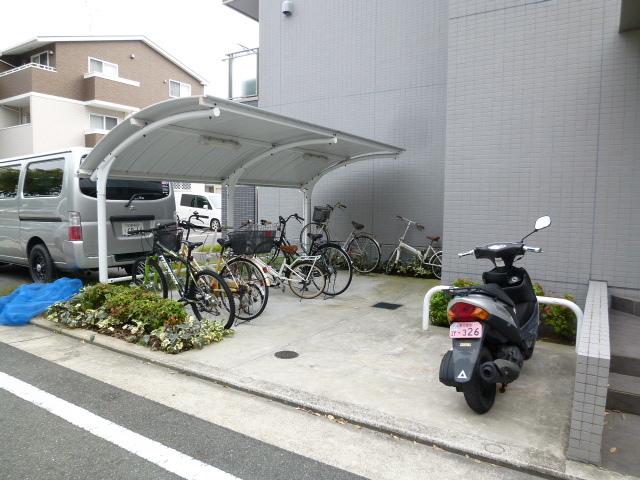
321	214
170	239
252	240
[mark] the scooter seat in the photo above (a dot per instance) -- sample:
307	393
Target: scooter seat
490	289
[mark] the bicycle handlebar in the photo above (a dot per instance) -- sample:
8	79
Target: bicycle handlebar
337	205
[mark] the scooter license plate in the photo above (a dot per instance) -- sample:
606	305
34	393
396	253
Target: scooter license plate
466	330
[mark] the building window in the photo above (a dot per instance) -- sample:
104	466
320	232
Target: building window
102	122
41	58
179	89
99	66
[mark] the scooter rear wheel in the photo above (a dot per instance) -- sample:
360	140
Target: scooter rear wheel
479	394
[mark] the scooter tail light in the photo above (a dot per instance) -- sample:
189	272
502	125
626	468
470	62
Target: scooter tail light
75	226
466	312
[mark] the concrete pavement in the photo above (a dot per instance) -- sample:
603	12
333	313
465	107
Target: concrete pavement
377	368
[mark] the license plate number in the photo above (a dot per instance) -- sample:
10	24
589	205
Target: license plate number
128	227
466	330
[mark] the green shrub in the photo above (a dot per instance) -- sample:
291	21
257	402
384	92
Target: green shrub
440	300
561	318
137	315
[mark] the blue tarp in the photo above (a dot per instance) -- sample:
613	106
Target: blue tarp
31	300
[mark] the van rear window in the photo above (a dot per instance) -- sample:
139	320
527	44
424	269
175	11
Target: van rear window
125	189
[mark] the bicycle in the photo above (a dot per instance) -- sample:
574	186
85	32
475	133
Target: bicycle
245	279
204	290
334	259
362	247
305	277
430	258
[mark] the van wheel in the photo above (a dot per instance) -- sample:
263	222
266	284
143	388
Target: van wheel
41	266
215	225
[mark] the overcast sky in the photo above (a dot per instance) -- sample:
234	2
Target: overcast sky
198	33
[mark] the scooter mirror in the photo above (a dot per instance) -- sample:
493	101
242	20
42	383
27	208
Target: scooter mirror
542	222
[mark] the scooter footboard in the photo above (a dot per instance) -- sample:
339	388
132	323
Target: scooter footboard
458	364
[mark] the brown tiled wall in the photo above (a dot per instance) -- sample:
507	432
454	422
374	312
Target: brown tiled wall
71	60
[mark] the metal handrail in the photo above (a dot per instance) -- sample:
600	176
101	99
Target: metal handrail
545	300
28	65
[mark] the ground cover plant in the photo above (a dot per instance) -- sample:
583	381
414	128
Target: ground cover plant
137	316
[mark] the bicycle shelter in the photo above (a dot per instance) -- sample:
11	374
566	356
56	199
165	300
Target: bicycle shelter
206	139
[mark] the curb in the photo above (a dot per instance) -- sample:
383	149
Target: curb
530	461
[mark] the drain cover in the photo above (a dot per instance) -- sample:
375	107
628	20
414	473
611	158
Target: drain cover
286	354
387	306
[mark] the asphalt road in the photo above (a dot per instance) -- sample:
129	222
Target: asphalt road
39	444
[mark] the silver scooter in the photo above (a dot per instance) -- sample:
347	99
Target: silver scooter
494	326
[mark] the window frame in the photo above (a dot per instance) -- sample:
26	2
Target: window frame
104	62
180	85
104	121
39	55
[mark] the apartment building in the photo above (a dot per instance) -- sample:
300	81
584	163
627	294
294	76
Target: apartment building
508	110
57	92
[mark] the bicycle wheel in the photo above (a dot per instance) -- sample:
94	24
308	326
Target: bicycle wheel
146	273
390	266
248	286
365	253
337	266
435	262
306	280
312	228
211	296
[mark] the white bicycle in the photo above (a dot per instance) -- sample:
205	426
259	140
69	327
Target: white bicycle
363	249
430	258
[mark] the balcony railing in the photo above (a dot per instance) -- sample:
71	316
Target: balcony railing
25	66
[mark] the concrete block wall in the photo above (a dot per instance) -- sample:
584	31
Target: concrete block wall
592	378
370	69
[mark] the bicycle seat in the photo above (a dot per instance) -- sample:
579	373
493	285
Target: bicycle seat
224	242
192	245
315	236
435	239
357	226
290	249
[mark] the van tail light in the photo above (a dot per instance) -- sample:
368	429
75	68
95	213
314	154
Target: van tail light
466	312
75	226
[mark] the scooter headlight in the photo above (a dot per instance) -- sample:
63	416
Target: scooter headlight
466	312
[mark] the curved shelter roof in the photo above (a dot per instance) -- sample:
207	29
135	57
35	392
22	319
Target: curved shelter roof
211	140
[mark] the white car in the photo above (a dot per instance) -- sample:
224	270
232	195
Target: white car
206	204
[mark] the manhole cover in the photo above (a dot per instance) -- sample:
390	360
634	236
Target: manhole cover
286	354
387	306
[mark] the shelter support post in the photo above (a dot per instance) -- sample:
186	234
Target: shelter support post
101	190
231	196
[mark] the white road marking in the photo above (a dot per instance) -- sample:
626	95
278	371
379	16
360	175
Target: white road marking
155	452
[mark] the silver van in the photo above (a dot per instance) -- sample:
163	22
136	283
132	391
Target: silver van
48	215
202	203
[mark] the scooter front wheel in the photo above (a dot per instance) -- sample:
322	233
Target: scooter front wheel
479	394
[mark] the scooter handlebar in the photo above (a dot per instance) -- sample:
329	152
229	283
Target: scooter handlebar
464	254
532	249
